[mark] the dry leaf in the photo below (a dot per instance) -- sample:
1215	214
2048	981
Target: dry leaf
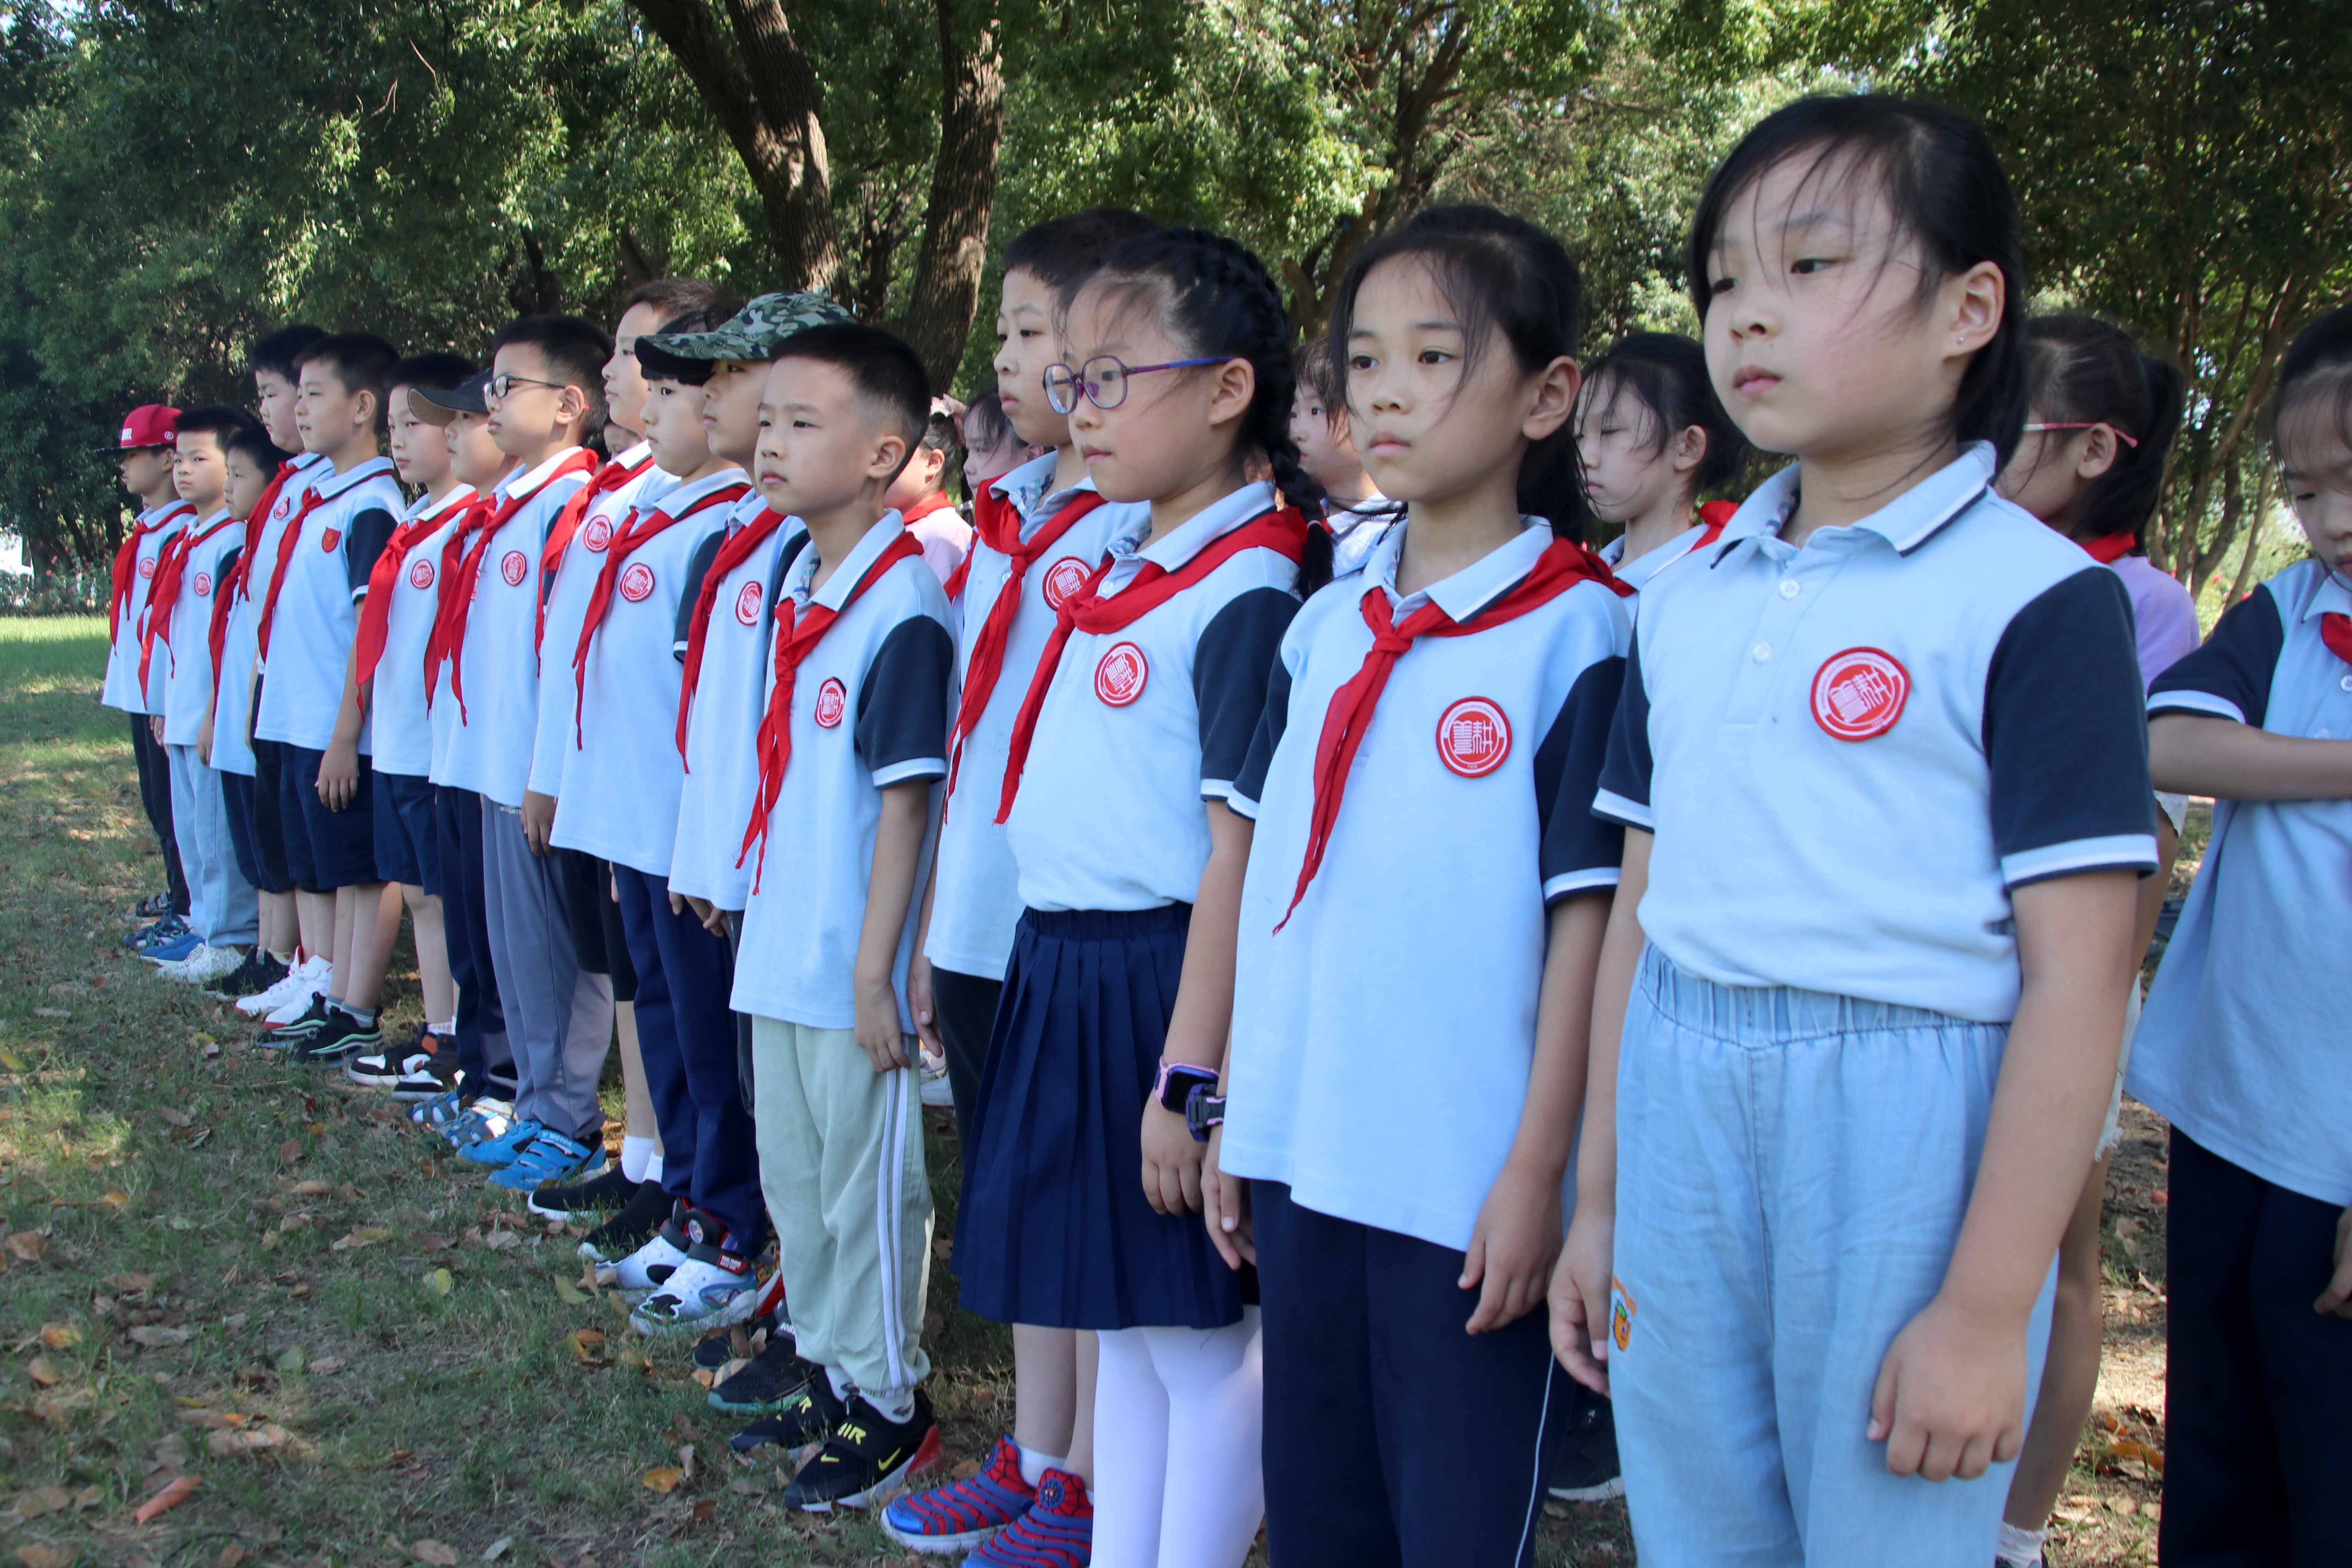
151	1336
313	1188
705	1510
290	1359
114	1198
571	1295
27	1246
49	1013
170	1498
11	1061
686	1459
289	1151
499	1240
31	1505
88	1497
131	1284
44	1372
176	1117
39	1557
326	1364
231	1556
498	1549
434	1553
60	1336
662	1479
439	1282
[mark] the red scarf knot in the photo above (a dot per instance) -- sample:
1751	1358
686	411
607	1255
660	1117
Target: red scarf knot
2335	632
740	547
171	567
383	579
632	534
607	480
124	571
987	661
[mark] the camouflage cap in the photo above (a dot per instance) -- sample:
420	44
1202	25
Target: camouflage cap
755	332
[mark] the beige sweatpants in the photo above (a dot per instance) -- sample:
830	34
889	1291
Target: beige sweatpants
841	1164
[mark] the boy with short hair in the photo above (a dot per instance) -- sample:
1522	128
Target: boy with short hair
310	615
919	494
1327	448
144	458
850	746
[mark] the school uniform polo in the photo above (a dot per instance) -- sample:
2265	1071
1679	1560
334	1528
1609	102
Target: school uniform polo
400	724
240	650
869	712
1637	573
1357	530
975	893
222	907
317	609
617	717
121	687
183	651
1144	724
490	750
1850	754
722	768
1466	814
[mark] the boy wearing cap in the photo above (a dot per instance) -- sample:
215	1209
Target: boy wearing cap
144	458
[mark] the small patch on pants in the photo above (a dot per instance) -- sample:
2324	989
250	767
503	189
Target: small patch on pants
1620	1314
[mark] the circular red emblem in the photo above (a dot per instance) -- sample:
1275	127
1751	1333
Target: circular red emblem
1064	578
1859	694
1472	737
329	539
832	699
203	584
596	535
636	581
285	504
746	604
514	567
147	566
420	573
1120	678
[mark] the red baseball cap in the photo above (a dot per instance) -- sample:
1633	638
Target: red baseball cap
149	424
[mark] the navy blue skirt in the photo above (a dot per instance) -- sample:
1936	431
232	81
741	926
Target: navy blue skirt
1052	1229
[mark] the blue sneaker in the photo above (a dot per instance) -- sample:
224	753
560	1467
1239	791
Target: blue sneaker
500	1147
1058	1531
549	1157
170	929
486	1117
961	1514
180	947
147	933
440	1112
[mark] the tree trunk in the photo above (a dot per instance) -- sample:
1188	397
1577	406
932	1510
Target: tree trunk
954	250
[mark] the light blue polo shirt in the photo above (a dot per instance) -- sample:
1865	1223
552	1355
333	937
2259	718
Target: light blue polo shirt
1851	752
2244	1044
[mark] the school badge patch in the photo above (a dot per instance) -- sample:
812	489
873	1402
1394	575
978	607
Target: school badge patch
514	568
1859	694
147	566
636	581
203	584
1120	678
1472	737
1064	578
1620	1314
596	535
329	539
832	702
746	604
420	573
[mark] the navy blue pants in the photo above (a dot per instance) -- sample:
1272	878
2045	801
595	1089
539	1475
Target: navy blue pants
1391	1436
482	1053
236	796
2257	1387
156	796
269	828
686	1035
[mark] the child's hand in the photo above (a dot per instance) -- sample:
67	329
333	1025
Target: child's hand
1951	1394
878	1035
1512	1247
204	740
1225	1207
1580	1296
2338	1296
538	821
155	727
921	1003
1171	1162
338	774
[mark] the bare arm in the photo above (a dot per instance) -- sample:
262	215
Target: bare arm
339	770
1202	1019
920	1000
2204	753
898	856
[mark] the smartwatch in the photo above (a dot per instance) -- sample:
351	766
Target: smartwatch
1204	1108
1176	1080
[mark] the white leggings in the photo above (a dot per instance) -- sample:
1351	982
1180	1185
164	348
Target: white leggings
1177	1416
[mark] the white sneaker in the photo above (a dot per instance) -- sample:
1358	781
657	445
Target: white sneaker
269	1001
937	1091
314	975
646	1269
700	1295
204	966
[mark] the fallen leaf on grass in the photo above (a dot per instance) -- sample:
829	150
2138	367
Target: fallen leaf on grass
151	1336
114	1198
289	1151
662	1479
60	1336
499	1240
326	1364
131	1284
571	1295
251	1440
290	1359
44	1372
31	1505
583	1343
11	1061
434	1553
2125	1448
439	1282
27	1246
176	1117
88	1497
312	1188
170	1498
498	1549
360	1236
231	1556
49	1013
39	1557
686	1459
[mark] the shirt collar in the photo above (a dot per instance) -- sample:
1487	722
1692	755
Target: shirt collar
835	592
1025	487
1191	536
329	486
425	506
1907	523
1468	591
693	490
635	455
529	482
202	523
2334	598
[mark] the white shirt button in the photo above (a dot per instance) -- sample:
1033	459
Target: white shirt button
2345	682
1763	651
1787	587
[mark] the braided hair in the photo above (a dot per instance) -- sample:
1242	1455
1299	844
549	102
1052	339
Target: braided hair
2083	369
1216	298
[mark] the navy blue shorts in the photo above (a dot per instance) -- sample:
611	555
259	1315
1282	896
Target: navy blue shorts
236	799
407	845
268	826
326	850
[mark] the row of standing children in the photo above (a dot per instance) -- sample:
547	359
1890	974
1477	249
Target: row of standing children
1859	798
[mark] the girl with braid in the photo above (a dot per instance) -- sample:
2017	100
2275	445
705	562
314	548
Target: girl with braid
1083	1182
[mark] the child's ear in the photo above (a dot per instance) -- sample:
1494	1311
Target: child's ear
1977	298
1233	391
889	456
1554	402
1688	449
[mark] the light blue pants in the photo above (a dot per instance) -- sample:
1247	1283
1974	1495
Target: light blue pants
1791	1172
222	908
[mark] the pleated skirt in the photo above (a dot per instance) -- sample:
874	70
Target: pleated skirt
1052	1229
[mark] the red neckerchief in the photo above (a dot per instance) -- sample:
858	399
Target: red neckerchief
1282	532
255	522
1712	517
934	502
1562	565
383	577
1000	529
796	634
607	480
2336	631
471	519
738	549
170	565
992	518
2110	548
470	571
632	534
217	633
285	542
125	570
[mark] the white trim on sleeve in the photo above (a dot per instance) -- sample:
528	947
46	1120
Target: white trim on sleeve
1584	881
2190	702
913	768
1614	807
2119	852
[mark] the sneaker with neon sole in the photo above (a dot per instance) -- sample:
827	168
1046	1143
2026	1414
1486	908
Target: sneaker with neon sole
867	1459
960	1515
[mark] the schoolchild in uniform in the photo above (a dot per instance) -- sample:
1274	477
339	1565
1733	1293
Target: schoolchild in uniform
1886	793
388	674
992	447
1134	728
310	615
1041	528
145	461
1354	513
545	398
2101	418
1653	437
1456	692
222	909
851	742
2241	1047
919	494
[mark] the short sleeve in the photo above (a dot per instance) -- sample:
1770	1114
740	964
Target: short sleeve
1273	722
1580	849
2064	737
2230	677
1624	795
698	572
902	703
1232	668
364	540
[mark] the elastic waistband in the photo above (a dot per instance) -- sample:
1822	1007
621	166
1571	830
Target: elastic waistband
1757	1014
1107	925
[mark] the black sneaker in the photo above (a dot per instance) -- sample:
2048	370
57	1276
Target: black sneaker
630	1227
1586	1471
596	1198
767	1382
714	1350
427	1078
868	1459
284	1036
340	1037
385	1069
257	974
810	1414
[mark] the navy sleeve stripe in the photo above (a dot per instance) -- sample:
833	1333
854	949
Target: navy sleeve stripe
902	702
1232	667
364	540
698	568
2230	674
1273	722
1624	795
1580	849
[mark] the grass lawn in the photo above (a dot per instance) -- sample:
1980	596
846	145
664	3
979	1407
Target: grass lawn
216	1267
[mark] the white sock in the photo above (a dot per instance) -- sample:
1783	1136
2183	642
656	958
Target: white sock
897	1405
1033	1465
843	1387
653	1165
448	1031
636	1155
2015	1548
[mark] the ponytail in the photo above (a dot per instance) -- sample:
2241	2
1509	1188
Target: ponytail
2084	370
